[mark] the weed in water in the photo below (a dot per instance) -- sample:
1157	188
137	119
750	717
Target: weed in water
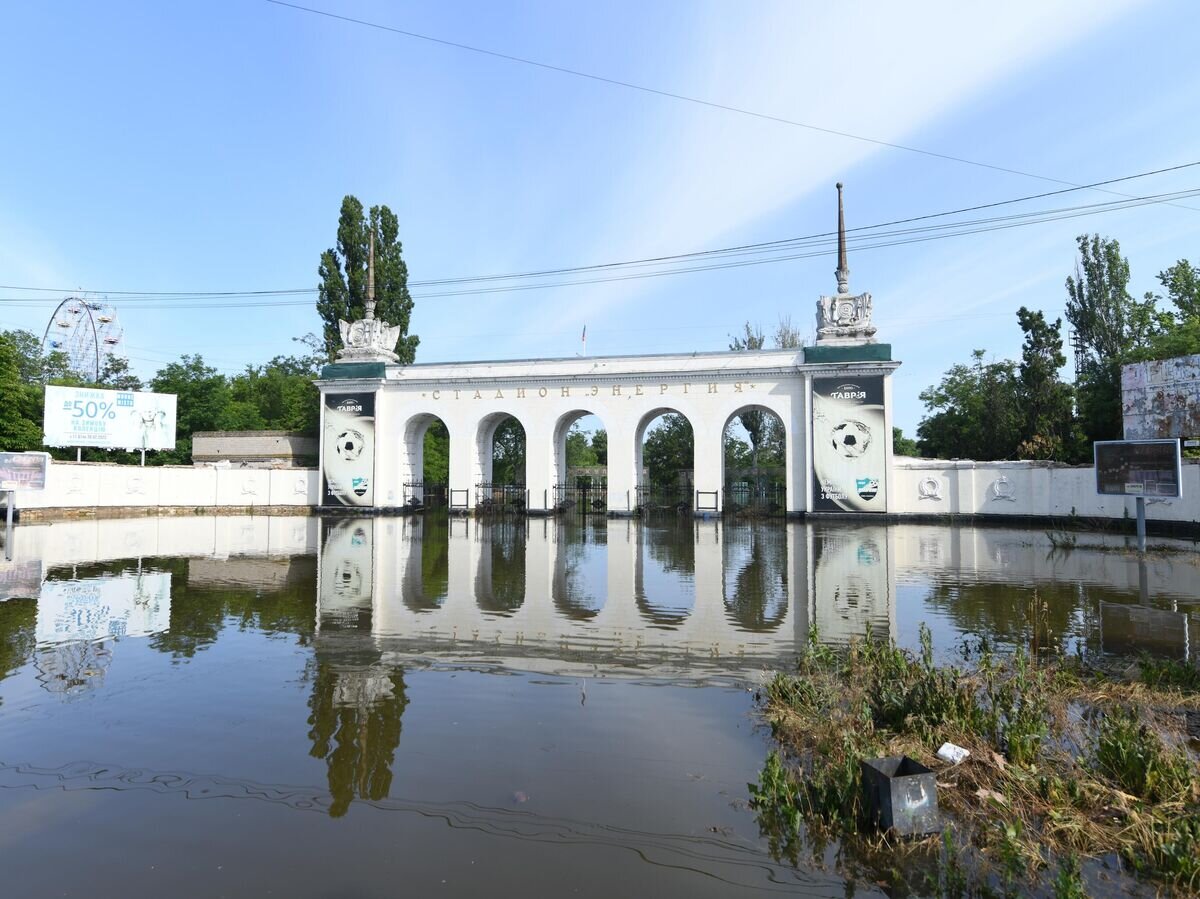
1068	884
1166	674
1134	758
954	875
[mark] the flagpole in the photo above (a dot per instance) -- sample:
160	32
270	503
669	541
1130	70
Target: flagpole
583	340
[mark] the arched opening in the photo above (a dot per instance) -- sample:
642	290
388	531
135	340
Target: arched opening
580	585
755	572
500	580
754	462
427	576
665	580
580	464
664	456
500	466
427	450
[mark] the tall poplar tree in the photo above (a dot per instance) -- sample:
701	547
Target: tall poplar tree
1110	324
342	293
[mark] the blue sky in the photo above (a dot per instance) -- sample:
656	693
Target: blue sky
206	146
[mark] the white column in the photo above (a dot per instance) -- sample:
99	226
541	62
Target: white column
540	474
709	451
463	461
622	464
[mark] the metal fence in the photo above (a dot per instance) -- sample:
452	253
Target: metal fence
586	495
418	494
653	498
765	498
501	498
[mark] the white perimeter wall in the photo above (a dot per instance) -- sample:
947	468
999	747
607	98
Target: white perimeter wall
71	485
934	487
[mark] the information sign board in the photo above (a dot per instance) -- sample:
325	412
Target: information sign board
112	419
1138	468
849	445
23	471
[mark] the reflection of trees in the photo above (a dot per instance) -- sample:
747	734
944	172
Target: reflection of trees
1005	613
200	613
673	548
572	594
18	626
426	585
756	568
355	710
500	585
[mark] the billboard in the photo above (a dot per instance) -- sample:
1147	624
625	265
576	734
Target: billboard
112	419
348	450
23	471
1138	468
849	445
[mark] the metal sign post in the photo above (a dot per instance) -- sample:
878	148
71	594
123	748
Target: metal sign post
1139	468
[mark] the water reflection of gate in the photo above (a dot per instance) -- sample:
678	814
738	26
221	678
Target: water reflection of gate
746	589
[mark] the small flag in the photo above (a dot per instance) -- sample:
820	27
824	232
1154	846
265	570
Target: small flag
583	337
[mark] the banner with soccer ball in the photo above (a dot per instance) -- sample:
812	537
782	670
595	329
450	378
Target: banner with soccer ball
849	445
348	450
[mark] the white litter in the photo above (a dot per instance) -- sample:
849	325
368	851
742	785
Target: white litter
952	754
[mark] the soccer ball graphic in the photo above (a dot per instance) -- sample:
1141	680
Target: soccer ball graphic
350	444
851	438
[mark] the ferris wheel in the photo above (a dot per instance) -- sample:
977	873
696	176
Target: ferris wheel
87	332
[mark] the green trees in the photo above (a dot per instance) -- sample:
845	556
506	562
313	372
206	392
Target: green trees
975	412
904	446
1109	324
342	293
508	453
19	430
1047	404
436	454
1002	410
668	449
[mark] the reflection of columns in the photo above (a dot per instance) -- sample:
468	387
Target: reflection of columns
622	464
623	546
708	623
798	580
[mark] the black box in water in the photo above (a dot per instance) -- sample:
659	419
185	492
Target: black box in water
900	794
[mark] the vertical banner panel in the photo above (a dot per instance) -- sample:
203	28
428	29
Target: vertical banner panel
348	450
849	445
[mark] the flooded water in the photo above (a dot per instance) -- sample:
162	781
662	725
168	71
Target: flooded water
367	707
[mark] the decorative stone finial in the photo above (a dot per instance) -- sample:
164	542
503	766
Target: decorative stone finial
842	318
368	340
843	269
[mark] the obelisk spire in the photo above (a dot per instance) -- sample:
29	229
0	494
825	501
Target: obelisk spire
843	269
371	279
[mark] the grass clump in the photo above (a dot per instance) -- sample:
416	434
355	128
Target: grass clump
1170	674
1135	758
1061	770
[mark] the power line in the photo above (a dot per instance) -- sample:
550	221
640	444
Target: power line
782	243
799	248
577	73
